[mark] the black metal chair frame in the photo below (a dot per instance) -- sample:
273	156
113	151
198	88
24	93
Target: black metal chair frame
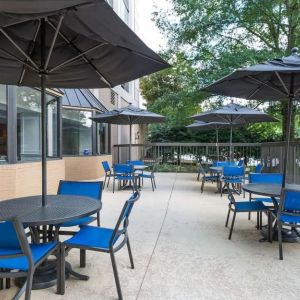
27	286
205	178
123	218
232	209
108	174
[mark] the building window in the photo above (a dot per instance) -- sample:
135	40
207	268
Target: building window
103	138
77	132
124	11
29	124
3	124
113	97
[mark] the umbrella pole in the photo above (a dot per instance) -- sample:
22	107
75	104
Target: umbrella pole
287	139
43	114
130	131
217	133
230	145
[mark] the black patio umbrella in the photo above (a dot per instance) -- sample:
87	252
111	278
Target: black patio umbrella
199	125
234	114
129	115
274	80
68	44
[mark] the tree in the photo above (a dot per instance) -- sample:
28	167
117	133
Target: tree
218	36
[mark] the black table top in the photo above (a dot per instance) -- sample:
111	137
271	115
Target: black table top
267	189
60	209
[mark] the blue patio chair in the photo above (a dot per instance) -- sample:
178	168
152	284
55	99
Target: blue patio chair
241	207
206	178
240	163
233	175
108	172
288	214
258	168
125	173
108	240
92	189
275	178
17	255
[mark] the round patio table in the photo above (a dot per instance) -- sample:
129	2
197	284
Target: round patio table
59	209
273	191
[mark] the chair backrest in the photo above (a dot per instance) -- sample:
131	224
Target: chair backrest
106	166
258	168
265	178
241	163
231	171
123	220
13	241
91	189
123	169
290	202
135	162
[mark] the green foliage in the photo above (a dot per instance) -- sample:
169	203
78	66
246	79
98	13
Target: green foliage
206	41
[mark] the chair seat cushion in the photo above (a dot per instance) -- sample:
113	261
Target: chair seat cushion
289	219
245	206
92	237
267	199
78	222
21	263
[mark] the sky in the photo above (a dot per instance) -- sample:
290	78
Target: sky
146	28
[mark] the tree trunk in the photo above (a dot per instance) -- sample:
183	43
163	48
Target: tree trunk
284	109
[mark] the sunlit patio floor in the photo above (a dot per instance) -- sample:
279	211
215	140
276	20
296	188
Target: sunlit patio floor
181	251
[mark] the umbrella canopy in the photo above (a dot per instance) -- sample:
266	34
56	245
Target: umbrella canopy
86	45
234	114
274	80
68	44
129	115
199	125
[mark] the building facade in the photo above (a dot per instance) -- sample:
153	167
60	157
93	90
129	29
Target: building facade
76	146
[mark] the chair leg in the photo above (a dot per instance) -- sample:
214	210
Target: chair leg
202	185
232	224
108	181
260	220
154	181
115	270
29	284
152	184
221	188
249	214
58	272
104	181
98	219
280	240
227	220
114	185
20	292
82	258
130	254
62	268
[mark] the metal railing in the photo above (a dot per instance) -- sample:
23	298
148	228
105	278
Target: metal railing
183	157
